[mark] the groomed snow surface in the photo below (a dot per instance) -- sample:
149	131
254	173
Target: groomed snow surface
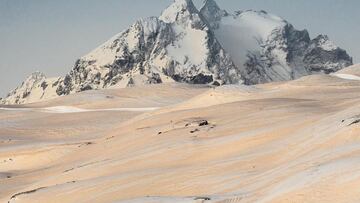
72	109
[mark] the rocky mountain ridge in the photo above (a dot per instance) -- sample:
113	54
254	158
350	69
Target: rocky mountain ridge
184	44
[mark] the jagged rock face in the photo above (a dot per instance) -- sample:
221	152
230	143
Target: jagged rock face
122	59
212	13
184	44
322	55
155	50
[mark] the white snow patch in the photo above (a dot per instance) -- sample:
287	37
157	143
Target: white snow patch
190	48
62	109
104	54
346	76
245	33
327	45
132	38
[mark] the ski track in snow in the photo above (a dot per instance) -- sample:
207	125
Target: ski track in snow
71	109
347	76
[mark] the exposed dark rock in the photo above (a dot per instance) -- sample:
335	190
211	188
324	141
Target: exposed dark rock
85	88
354	122
155	79
216	83
25	192
44	85
202	198
55	84
194	131
197	123
32	191
203	123
109	138
131	82
65	87
201	79
86	144
25	94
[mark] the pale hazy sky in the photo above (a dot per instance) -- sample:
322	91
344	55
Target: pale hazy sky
49	35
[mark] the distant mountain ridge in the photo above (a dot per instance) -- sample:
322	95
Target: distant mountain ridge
184	44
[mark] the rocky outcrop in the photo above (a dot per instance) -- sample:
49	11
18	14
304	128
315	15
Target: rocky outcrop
322	55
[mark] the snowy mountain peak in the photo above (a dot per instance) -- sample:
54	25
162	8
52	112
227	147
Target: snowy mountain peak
179	11
212	13
184	44
210	7
36	76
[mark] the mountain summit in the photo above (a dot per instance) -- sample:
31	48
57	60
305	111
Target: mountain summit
179	11
206	46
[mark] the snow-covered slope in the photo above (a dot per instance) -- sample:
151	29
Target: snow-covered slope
36	87
156	50
206	46
266	48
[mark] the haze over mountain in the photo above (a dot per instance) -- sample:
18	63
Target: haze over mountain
205	46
